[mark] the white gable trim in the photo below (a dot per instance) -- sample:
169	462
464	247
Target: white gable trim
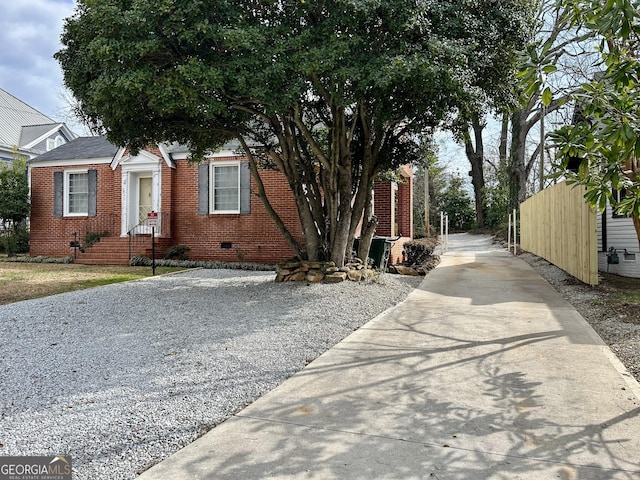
167	156
143	157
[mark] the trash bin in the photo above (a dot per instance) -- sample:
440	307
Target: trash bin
380	251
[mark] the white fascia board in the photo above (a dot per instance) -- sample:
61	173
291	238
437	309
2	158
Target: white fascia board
225	153
71	162
115	161
217	154
168	158
68	132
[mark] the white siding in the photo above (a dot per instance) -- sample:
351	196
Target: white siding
599	226
621	234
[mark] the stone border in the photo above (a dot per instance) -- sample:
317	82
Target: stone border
326	272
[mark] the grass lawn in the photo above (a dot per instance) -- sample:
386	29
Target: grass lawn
23	281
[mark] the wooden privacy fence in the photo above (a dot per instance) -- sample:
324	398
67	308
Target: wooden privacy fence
559	226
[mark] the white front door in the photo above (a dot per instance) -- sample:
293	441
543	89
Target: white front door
142	197
141	192
145	198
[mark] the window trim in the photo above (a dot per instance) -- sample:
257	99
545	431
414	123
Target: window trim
212	167
67	192
56	142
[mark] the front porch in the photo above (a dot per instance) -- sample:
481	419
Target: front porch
99	242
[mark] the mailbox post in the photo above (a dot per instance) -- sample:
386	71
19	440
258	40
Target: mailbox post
152	221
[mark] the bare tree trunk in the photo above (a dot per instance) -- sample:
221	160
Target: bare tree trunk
475	155
369	225
504	136
517	163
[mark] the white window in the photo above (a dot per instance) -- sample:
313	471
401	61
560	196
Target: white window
77	189
54	142
225	187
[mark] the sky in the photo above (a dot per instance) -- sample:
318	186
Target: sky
29	36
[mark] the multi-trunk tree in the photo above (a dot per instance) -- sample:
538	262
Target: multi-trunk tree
330	93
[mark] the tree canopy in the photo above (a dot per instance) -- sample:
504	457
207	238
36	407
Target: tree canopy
331	93
604	141
14	205
14	192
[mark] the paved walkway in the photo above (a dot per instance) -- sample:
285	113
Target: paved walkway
484	372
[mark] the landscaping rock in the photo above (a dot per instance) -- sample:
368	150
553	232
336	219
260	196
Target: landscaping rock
355	275
316	272
402	270
335	277
297	277
314	276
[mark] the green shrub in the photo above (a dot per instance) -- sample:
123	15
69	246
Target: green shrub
90	238
39	259
15	240
140	261
417	253
177	252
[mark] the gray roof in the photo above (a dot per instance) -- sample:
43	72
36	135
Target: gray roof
176	147
80	148
33	132
86	148
14	114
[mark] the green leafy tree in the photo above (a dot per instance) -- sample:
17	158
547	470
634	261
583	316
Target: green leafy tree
428	169
604	144
457	204
14	204
331	93
496	195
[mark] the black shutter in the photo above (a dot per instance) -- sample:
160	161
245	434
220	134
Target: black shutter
245	188
203	189
58	194
93	188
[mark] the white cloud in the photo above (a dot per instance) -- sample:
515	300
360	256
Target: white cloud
30	35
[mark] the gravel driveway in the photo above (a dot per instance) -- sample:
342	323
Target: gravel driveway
122	376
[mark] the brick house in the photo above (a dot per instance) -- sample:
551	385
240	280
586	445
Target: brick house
90	189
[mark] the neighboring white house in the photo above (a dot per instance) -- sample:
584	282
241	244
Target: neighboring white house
616	234
26	130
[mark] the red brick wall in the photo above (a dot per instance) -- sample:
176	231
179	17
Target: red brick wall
395	215
405	203
383	208
252	237
51	235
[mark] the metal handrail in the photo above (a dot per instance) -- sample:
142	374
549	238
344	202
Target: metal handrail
102	225
134	231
